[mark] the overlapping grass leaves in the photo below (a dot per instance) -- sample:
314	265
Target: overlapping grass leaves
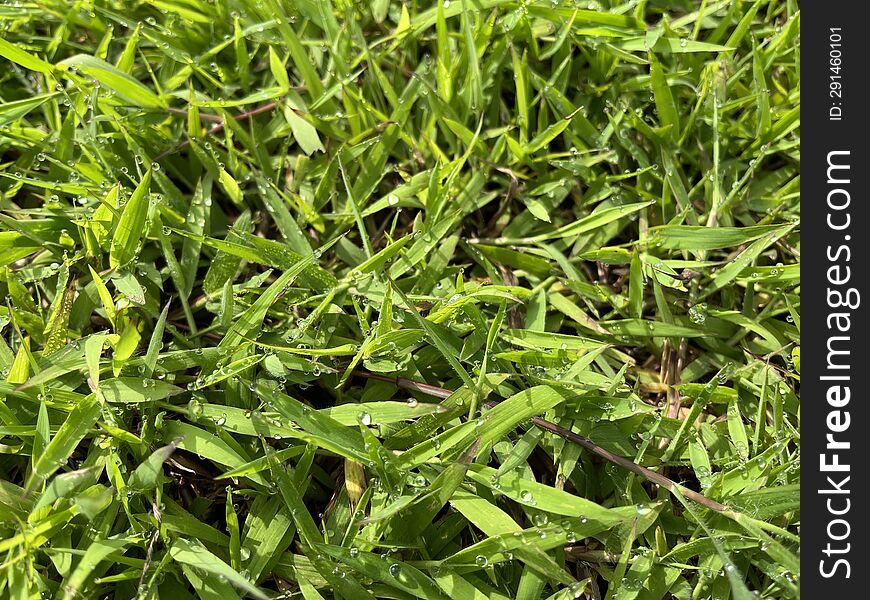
285	284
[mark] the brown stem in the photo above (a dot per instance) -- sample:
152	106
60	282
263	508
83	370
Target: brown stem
204	116
625	463
149	553
408	384
218	127
657	478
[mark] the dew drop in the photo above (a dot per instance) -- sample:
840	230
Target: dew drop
698	314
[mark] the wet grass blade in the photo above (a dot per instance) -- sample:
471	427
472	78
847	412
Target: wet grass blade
131	225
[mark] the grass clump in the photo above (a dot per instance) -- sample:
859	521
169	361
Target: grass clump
470	299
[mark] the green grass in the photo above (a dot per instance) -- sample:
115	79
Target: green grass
468	299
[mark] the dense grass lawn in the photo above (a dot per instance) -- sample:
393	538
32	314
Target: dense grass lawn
462	299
